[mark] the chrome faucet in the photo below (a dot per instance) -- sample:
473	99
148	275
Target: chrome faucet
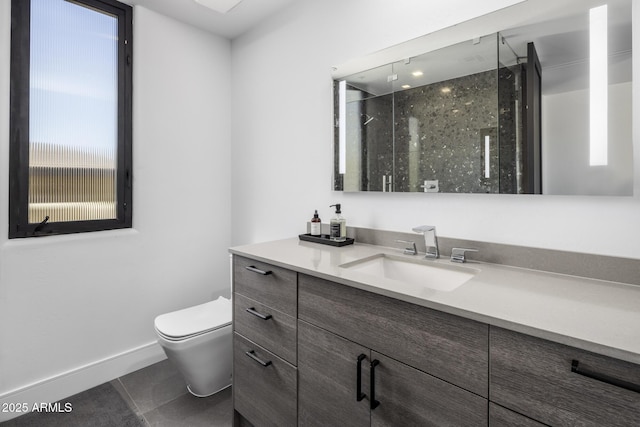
430	240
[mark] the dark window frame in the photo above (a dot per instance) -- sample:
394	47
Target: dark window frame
19	125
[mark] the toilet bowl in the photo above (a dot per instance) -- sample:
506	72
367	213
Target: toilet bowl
198	341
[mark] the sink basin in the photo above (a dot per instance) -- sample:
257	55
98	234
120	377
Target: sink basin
413	276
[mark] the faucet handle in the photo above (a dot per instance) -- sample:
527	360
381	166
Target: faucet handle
458	254
410	250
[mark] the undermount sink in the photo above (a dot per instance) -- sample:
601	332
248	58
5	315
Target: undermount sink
414	276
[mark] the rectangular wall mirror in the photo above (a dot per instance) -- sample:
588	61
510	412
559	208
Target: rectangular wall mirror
541	107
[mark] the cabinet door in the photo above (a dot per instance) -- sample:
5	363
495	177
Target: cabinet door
409	397
328	378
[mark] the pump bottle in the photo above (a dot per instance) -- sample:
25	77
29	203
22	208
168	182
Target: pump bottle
338	226
316	225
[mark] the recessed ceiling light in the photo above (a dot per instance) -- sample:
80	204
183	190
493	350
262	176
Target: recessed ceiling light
417	73
220	6
406	86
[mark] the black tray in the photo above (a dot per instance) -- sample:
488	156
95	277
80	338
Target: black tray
324	240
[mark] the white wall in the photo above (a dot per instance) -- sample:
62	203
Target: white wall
78	310
283	136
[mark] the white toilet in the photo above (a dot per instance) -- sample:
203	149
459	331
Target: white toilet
198	341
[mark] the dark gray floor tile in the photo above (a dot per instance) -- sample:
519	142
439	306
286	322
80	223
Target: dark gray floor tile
191	411
153	396
125	396
101	406
154	385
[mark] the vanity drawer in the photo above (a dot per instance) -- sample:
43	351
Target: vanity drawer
264	395
449	347
534	377
272	286
272	329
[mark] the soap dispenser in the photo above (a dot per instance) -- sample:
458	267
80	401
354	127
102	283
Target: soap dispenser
338	226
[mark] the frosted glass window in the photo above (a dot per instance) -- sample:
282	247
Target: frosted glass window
71	130
73	112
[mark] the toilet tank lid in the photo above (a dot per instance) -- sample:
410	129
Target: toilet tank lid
195	320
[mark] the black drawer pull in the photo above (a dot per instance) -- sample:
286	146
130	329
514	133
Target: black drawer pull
252	354
359	394
257	270
603	377
253	311
374	402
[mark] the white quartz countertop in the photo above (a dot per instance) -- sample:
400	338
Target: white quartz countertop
594	315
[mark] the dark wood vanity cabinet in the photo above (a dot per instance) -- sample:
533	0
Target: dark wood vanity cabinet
312	352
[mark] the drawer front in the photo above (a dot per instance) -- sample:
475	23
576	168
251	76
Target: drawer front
534	377
501	417
273	286
269	328
446	346
264	395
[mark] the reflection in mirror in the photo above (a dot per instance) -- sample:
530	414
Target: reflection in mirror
487	116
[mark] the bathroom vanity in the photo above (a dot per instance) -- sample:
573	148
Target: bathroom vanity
320	341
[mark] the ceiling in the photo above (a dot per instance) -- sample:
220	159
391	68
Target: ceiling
237	21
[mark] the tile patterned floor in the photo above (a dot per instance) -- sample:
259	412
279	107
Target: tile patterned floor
158	397
159	394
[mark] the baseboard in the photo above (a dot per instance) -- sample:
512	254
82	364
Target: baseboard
68	383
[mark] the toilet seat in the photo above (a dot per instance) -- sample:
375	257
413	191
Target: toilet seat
192	321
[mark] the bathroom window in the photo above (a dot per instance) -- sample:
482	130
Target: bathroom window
70	126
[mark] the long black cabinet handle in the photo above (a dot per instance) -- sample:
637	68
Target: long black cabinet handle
257	270
372	385
253	311
603	377
252	354
359	394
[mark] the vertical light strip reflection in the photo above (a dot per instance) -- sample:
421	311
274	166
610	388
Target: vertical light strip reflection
598	86
342	126
487	156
